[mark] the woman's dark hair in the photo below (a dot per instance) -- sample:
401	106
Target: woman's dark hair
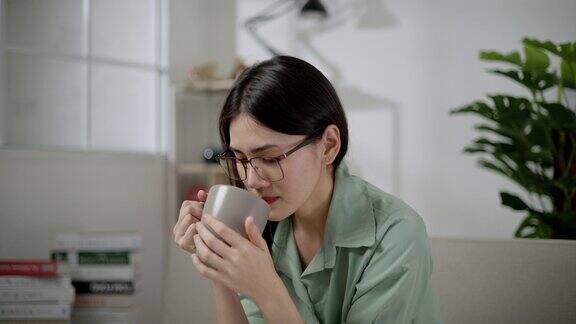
287	95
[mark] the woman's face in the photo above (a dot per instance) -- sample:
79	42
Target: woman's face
302	169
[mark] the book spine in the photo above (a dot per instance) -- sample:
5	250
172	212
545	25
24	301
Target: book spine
104	287
103	273
120	258
37	321
94	257
103	315
102	242
95	301
56	312
37	268
61	256
63	295
22	282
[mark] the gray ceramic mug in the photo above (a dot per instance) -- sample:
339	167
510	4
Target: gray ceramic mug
232	205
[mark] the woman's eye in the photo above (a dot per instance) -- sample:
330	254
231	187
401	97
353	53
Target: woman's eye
269	160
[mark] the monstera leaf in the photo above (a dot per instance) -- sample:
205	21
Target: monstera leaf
566	52
532	141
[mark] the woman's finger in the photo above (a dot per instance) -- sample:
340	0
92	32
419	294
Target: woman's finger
215	244
207	256
185	208
230	236
189	214
181	228
193	207
202	195
181	213
186	242
206	271
254	234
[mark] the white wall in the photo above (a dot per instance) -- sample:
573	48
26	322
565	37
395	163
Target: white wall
43	193
2	85
412	72
2	98
201	31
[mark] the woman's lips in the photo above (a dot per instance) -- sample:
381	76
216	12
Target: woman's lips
270	200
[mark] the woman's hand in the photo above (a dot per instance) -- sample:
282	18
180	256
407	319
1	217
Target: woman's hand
243	265
185	228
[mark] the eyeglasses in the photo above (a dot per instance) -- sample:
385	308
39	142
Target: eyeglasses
268	169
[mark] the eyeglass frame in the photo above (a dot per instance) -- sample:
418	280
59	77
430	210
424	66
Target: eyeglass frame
278	159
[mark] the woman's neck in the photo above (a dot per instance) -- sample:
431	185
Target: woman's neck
310	220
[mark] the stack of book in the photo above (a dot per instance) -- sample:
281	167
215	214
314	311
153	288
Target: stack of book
104	270
35	291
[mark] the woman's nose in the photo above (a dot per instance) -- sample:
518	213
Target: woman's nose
253	180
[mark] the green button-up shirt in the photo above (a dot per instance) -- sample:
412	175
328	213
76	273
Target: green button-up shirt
374	265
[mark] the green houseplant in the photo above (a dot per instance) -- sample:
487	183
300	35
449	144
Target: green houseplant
531	139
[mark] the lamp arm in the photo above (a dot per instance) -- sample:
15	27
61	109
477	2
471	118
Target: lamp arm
281	7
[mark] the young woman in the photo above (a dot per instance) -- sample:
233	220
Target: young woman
336	249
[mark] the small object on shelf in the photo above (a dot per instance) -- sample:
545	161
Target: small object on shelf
209	154
204	77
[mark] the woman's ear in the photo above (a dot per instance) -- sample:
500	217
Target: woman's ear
331	144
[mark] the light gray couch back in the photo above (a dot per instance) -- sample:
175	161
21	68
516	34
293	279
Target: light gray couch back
505	281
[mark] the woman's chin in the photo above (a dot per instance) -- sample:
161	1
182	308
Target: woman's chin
277	214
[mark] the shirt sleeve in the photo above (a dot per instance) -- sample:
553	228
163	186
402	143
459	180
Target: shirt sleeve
397	277
253	313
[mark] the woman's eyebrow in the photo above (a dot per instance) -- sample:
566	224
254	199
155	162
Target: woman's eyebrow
256	150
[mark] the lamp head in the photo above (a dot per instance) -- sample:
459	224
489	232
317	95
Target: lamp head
313	9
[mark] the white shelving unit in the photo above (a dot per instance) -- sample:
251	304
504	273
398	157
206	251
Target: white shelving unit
194	126
211	173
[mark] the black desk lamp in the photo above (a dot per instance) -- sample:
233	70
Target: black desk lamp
311	8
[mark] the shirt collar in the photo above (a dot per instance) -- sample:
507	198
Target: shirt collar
350	223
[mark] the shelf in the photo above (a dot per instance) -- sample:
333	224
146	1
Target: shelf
199	168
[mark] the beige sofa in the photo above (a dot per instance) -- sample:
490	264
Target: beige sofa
476	281
505	281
